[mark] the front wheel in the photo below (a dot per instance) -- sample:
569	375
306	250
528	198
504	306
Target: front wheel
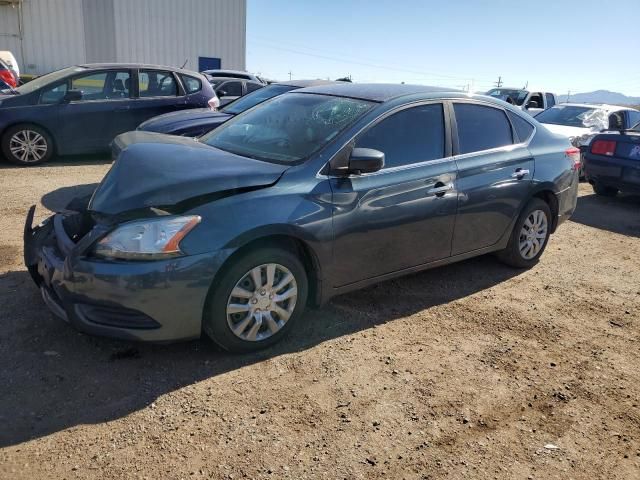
27	145
529	236
256	301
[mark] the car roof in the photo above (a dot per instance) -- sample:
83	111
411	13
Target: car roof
235	72
602	106
305	83
379	92
136	65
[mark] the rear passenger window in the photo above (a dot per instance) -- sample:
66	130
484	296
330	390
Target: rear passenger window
410	136
481	128
152	83
523	128
191	84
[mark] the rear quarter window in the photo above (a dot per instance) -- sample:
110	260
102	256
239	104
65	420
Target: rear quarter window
523	128
191	84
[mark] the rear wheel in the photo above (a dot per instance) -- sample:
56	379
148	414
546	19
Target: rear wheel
256	300
529	236
27	145
604	191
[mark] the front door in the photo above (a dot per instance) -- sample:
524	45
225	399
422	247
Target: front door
403	215
91	123
495	172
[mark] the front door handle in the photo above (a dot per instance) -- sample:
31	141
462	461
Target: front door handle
439	189
520	173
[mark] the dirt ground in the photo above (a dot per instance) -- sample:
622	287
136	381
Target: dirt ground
473	370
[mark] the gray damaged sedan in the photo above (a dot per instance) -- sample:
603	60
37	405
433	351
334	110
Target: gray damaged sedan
312	194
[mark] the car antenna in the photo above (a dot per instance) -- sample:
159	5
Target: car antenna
184	64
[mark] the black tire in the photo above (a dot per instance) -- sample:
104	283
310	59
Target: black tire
512	255
25	130
604	191
215	323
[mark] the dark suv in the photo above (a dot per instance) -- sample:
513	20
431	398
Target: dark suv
311	194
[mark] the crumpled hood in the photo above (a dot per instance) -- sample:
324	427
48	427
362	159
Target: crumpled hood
155	170
170	122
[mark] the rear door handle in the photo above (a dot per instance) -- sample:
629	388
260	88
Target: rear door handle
519	173
440	189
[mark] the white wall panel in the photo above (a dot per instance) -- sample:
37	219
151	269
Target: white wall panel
170	32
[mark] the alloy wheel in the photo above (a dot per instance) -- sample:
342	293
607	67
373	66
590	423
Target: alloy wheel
28	146
262	302
533	234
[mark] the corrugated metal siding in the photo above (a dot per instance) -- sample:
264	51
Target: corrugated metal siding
169	32
58	33
53	35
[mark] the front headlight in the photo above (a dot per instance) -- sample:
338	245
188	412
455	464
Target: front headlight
147	239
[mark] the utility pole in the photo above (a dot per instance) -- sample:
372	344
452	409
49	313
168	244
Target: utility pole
499	82
568	95
290	74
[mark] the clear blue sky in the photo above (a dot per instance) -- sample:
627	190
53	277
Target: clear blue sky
557	45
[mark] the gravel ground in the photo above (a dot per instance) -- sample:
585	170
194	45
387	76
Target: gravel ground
473	370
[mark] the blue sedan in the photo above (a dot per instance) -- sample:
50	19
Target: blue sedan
311	194
81	109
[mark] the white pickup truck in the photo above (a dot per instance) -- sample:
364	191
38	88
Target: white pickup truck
529	100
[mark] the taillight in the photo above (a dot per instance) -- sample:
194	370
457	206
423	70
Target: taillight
573	154
604	147
8	78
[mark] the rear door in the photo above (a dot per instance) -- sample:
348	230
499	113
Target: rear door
89	124
157	92
495	171
403	215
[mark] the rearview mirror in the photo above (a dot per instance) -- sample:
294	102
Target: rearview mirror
72	96
532	104
365	160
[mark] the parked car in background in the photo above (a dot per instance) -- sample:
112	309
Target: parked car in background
7	76
612	159
198	121
82	109
230	89
234	74
580	122
531	101
287	204
10	61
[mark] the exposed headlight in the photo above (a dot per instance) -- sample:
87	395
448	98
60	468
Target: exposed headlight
147	239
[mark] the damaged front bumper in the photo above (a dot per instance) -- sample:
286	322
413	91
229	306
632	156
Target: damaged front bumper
158	301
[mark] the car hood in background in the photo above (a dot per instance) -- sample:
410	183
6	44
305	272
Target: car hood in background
155	170
173	121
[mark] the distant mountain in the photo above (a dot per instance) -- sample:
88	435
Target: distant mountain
602	96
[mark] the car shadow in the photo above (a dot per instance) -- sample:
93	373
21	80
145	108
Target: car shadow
620	214
67	160
55	378
59	198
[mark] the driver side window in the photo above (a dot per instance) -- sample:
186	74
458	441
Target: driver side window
53	94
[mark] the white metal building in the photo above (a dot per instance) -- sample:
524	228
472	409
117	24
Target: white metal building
46	35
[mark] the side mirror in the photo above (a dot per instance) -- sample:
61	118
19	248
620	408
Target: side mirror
365	160
532	104
72	96
617	121
221	93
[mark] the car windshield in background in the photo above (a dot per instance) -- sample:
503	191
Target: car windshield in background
254	98
571	116
52	77
288	128
517	96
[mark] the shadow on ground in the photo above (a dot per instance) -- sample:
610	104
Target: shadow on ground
620	214
68	160
54	378
59	198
